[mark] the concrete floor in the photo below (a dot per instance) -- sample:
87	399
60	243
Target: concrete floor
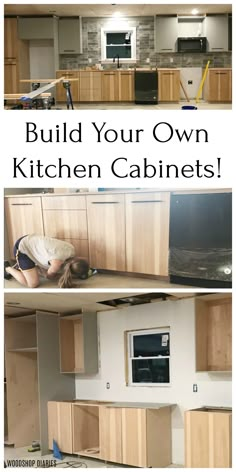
104	281
21	453
131	106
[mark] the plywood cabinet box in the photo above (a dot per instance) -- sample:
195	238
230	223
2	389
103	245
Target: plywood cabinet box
208	438
78	344
32	371
135	436
213	328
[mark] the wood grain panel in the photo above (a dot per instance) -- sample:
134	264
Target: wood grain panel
219	85
90	86
196	439
60	425
220	336
125	86
64	202
134	438
109	86
106	229
110	434
10	38
147	233
23	216
65	224
168	85
22	398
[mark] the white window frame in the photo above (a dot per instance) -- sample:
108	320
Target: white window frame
130	337
117	29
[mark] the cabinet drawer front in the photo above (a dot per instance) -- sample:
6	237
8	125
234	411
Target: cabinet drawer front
64	203
62	224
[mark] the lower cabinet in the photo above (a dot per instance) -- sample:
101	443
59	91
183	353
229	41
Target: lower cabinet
208	438
168	85
140	437
147	233
10	77
219	85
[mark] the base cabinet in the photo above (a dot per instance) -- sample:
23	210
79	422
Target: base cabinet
60	425
147	233
110	434
219	85
168	85
208	438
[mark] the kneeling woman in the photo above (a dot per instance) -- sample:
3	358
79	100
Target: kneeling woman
39	255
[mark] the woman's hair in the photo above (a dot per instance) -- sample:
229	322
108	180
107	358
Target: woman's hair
75	266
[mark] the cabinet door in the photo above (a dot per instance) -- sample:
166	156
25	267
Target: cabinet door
207	439
90	86
110	434
217	32
10	38
147	233
35	28
74	86
10	77
70	36
134	440
109	86
106	230
168	85
60	425
220	85
166	33
126	86
23	216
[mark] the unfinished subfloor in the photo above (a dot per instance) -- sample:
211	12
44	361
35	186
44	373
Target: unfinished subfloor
21	453
103	281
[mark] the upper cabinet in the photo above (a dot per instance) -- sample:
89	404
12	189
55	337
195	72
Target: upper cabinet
70	35
166	29
216	27
35	28
10	38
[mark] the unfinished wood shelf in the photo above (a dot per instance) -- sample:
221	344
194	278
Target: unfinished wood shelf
78	344
213	318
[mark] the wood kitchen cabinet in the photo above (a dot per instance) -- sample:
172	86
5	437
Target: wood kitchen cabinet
16	58
168	85
90	86
106	229
219	85
74	86
23	216
78	344
208	438
85	429
213	328
60	425
125	86
65	217
147	232
32	371
217	32
110	91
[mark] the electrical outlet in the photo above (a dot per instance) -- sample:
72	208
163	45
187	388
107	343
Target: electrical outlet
107	385
194	388
171	60
89	60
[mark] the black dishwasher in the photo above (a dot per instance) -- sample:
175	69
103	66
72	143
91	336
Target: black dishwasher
146	84
201	240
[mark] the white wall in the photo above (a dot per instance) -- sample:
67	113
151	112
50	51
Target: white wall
213	389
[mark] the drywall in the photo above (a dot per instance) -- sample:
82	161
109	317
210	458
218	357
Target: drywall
213	389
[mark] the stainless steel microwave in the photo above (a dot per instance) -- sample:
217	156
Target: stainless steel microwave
195	44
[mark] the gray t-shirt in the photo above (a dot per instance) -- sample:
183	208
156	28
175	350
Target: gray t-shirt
41	249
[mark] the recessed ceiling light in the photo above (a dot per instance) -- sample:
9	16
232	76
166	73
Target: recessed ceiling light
194	11
116	13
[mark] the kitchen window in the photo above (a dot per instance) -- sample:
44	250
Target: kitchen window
121	42
149	357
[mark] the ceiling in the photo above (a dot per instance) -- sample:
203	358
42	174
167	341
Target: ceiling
108	10
24	303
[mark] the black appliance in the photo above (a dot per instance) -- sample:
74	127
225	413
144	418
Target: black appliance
195	44
145	86
201	240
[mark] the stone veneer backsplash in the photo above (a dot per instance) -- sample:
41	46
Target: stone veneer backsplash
144	48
